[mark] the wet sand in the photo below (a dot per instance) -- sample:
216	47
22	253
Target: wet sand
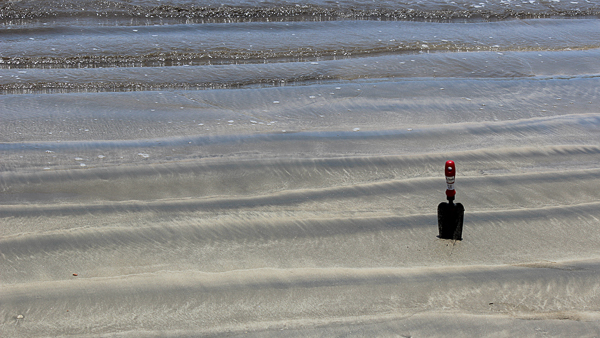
319	230
294	193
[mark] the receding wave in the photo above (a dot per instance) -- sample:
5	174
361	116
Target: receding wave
78	46
449	65
185	56
228	11
545	126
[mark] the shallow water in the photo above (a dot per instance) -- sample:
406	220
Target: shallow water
187	168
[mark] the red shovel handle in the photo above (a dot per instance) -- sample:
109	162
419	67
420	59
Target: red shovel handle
450	172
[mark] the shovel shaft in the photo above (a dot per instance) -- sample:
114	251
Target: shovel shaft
450	172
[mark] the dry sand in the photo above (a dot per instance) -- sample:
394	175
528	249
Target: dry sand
302	211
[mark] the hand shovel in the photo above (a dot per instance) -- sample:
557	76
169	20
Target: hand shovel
450	214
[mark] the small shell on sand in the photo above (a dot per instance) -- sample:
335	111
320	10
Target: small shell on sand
19	316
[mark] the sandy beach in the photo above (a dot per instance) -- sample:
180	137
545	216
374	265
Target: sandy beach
204	200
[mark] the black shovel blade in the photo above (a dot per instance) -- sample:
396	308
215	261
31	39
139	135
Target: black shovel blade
450	220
